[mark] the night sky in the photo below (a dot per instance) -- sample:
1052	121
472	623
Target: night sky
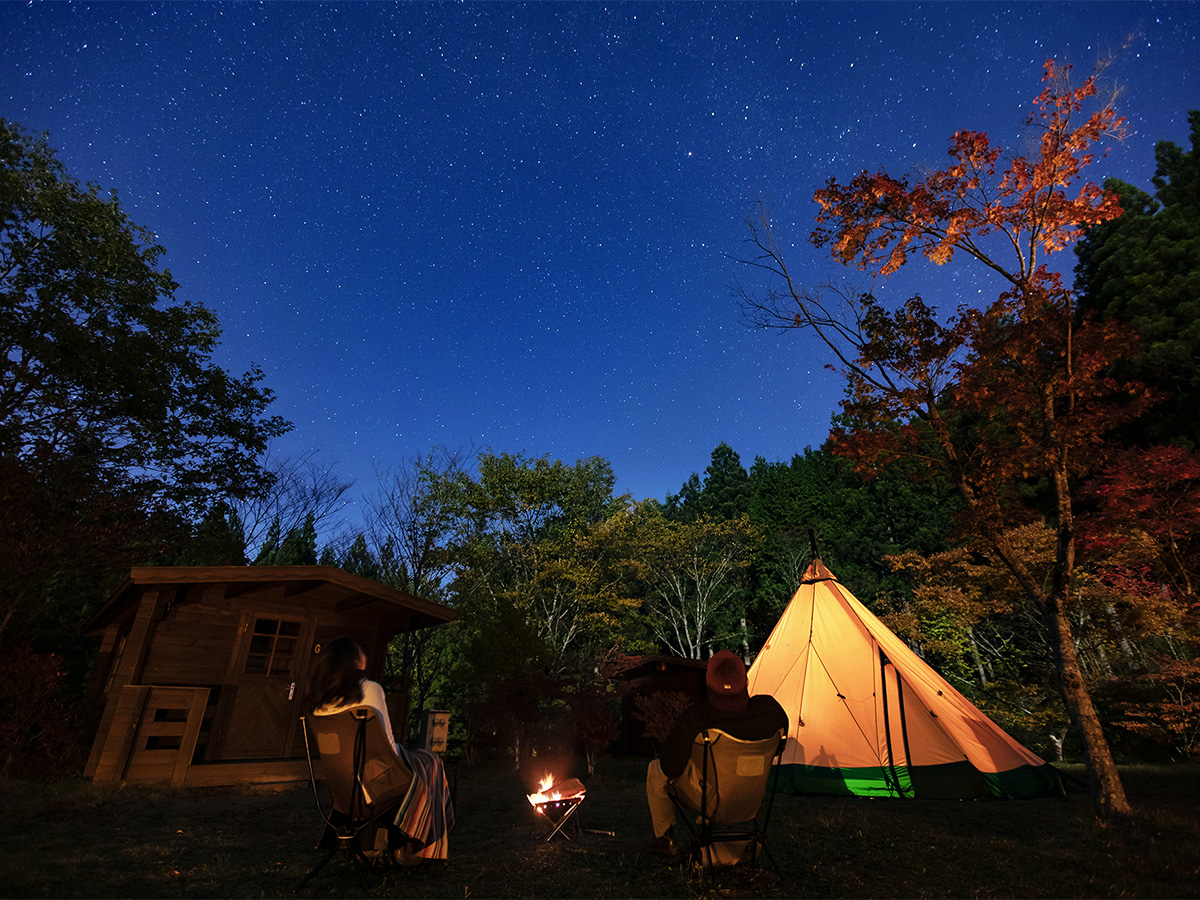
515	226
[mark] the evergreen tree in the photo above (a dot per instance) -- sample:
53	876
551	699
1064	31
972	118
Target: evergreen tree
296	548
686	505
359	560
1144	268
726	493
723	495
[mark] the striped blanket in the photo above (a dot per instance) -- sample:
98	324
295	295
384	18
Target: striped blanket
426	814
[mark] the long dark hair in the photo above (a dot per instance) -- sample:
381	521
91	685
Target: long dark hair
337	679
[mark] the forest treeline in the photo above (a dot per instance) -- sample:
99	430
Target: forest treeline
962	493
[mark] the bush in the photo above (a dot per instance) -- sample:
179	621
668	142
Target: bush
41	725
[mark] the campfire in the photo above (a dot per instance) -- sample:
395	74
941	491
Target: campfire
557	802
548	793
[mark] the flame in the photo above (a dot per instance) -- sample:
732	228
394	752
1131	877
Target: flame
544	794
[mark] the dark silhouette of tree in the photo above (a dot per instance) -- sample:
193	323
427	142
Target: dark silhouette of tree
1144	268
113	417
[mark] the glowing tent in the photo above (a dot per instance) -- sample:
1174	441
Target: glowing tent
870	718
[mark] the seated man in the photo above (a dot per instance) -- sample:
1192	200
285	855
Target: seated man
729	708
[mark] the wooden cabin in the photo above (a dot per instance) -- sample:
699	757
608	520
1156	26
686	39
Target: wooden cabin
202	671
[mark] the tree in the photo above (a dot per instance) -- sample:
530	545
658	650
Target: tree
216	540
591	699
692	573
302	492
686	505
857	523
726	485
413	523
1148	508
1144	268
63	526
414	519
295	547
113	420
527	540
997	396
529	580
98	359
725	493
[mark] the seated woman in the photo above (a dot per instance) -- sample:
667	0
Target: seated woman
427	814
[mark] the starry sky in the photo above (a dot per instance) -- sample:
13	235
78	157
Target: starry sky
516	226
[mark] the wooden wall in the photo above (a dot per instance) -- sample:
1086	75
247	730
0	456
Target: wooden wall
172	672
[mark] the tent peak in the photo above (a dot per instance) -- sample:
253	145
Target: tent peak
817	571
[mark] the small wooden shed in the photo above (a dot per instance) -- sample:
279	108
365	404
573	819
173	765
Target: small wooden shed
202	670
653	674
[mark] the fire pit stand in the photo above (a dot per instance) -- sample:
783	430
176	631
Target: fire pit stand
559	813
559	806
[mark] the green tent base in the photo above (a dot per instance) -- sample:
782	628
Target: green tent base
951	781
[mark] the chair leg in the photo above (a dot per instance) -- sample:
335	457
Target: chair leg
347	844
766	851
315	870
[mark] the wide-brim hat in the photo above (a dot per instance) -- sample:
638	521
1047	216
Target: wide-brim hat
726	681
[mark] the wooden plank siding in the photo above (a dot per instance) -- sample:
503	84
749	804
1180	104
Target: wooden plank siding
266	771
193	647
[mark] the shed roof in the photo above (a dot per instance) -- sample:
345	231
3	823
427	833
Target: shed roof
640	666
339	590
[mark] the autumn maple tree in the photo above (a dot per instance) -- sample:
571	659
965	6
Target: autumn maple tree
999	397
1147	514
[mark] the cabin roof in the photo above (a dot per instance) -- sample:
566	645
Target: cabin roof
325	585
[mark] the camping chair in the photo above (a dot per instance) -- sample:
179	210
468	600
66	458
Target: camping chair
367	781
720	795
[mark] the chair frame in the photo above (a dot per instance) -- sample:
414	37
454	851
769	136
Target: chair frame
347	826
708	830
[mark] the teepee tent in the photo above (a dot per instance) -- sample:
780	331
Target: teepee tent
869	717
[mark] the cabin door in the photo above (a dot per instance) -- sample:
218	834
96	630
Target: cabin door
268	681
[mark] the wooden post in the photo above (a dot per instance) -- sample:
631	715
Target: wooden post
123	707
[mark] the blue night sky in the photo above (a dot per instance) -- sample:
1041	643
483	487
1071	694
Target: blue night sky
514	226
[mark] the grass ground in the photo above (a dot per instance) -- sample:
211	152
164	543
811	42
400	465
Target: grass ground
75	839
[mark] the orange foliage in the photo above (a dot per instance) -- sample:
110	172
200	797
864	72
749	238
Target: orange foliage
876	221
1170	714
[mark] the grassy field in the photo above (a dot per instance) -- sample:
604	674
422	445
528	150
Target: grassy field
73	839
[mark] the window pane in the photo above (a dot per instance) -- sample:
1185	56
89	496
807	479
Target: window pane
261	644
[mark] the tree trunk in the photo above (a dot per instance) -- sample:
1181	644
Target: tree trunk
979	667
1058	740
1107	790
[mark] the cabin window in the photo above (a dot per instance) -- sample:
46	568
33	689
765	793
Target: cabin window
272	647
